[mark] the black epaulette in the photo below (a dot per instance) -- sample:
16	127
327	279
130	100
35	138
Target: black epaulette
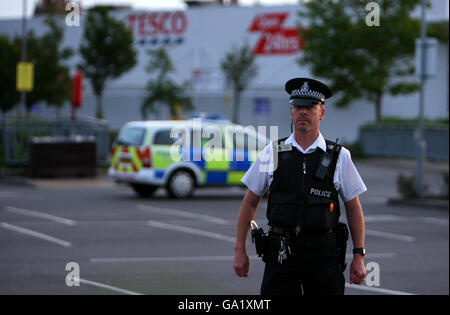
333	145
328	159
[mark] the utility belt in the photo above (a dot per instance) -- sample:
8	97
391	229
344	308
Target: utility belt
298	232
279	244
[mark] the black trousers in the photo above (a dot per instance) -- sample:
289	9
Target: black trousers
323	277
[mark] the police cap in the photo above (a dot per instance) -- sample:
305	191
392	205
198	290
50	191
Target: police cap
307	92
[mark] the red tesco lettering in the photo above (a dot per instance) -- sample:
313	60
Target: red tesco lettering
158	23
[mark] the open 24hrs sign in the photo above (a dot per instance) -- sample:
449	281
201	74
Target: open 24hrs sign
275	39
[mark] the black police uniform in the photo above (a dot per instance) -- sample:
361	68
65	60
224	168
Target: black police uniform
301	252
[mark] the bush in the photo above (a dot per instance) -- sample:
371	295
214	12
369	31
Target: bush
2	155
356	150
407	186
401	120
445	188
112	137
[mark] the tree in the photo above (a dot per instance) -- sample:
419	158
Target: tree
357	60
9	97
52	82
106	49
239	68
162	89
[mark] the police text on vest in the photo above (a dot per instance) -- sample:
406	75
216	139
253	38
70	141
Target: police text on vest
320	193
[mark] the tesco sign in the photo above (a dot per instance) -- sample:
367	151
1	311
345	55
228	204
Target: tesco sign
154	24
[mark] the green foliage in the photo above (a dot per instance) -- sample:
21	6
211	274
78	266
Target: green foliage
438	30
51	77
407	186
52	82
445	189
107	51
360	61
356	150
401	120
2	150
8	61
162	89
240	69
113	134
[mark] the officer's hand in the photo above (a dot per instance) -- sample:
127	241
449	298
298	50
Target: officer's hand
241	263
357	270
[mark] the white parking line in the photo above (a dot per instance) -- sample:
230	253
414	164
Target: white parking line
384	218
184	214
381	218
437	221
200	258
40	215
376	289
7	194
392	236
15	195
166	259
374	255
32	233
105	286
192	231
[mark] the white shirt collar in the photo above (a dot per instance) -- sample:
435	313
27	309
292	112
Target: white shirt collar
318	143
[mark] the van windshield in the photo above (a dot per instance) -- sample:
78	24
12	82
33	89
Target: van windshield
131	136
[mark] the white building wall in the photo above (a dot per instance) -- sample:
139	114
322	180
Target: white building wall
209	34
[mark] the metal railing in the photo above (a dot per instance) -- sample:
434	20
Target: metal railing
16	134
400	140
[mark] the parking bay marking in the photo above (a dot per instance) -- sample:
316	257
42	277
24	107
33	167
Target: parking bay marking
200	258
35	234
391	236
40	215
347	285
183	229
184	214
376	289
105	286
381	218
167	259
14	195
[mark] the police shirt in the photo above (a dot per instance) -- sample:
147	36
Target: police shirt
346	178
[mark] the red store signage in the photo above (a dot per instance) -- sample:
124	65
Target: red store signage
274	39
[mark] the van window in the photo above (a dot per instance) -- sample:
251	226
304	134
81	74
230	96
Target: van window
162	137
131	136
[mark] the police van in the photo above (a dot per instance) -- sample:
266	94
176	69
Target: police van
182	155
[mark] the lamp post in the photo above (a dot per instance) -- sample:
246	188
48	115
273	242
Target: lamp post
23	94
421	145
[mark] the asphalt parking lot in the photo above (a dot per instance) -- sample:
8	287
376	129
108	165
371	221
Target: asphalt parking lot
126	245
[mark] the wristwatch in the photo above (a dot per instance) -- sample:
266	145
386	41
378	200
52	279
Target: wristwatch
360	250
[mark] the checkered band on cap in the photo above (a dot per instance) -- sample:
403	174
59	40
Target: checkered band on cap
307	93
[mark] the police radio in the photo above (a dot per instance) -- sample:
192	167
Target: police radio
325	162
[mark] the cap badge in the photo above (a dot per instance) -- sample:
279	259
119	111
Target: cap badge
304	88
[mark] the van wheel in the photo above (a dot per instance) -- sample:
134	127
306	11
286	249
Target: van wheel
181	185
143	190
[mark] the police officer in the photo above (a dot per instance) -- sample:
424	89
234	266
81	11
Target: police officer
304	176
